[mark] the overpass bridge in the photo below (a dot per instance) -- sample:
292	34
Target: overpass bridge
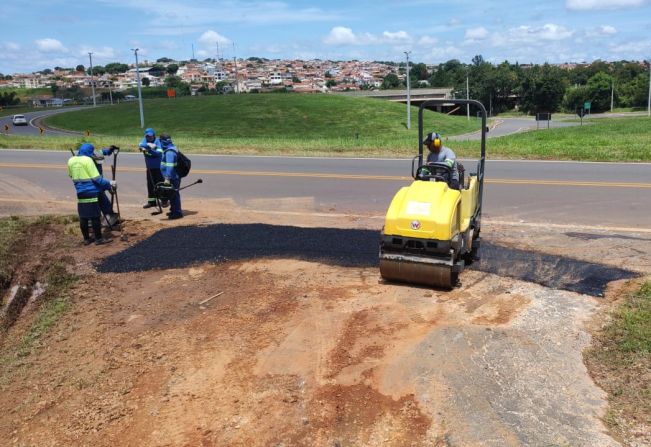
418	95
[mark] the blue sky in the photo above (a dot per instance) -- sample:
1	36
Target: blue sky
38	34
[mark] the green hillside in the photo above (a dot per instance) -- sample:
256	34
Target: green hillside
275	119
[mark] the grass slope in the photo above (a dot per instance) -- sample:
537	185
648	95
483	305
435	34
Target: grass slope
291	120
612	139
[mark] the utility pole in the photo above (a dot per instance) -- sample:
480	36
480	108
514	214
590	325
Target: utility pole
468	96
193	51
612	94
142	113
237	78
407	53
92	81
648	107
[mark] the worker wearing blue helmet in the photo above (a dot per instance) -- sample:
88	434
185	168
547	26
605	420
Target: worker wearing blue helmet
151	148
88	184
171	176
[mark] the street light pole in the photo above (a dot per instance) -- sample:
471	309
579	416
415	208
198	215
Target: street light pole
142	114
648	107
468	95
237	77
407	53
92	81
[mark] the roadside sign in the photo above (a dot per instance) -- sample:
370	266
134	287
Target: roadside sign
587	105
171	93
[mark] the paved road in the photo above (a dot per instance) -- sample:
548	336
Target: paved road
32	118
594	194
508	126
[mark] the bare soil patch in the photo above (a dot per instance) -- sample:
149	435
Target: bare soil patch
302	352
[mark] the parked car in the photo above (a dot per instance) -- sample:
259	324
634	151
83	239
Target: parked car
19	120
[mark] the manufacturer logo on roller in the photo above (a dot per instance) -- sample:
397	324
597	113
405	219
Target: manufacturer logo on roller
415	224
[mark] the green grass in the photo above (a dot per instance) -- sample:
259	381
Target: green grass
55	302
612	139
620	361
275	122
325	125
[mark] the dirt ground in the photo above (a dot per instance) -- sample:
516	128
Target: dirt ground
288	352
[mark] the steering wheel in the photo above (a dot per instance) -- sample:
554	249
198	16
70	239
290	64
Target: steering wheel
437	171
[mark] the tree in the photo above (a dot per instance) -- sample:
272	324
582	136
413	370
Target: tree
390	81
54	89
116	67
575	97
599	88
157	70
47	71
164	60
172	69
296	80
542	89
145	81
80	68
9	99
331	83
98	70
419	72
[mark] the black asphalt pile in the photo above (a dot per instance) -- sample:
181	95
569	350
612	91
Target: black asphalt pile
552	271
180	247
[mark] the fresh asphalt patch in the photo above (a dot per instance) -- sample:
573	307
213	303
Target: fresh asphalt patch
181	247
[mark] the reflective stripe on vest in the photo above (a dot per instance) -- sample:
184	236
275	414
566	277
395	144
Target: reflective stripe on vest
90	200
168	165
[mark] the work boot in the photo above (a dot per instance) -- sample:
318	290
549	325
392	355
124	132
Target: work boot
175	216
149	205
102	241
88	241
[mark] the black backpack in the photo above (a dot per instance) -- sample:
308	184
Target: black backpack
183	164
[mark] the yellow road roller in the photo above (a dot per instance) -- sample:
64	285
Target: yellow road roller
431	231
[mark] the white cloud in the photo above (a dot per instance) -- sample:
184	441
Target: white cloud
210	37
98	53
396	37
607	30
587	5
479	33
530	35
188	15
340	35
50	45
427	41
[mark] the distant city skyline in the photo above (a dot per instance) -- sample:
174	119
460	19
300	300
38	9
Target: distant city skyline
51	33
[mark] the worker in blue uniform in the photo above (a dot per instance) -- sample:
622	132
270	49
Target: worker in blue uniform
150	147
88	184
171	176
104	202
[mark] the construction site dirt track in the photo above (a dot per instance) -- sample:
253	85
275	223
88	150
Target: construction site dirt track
288	336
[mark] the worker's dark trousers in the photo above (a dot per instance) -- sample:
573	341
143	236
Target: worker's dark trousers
105	204
89	213
97	227
153	176
175	203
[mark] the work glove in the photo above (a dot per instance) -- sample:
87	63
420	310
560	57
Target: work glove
151	146
141	149
114	149
114	184
167	182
